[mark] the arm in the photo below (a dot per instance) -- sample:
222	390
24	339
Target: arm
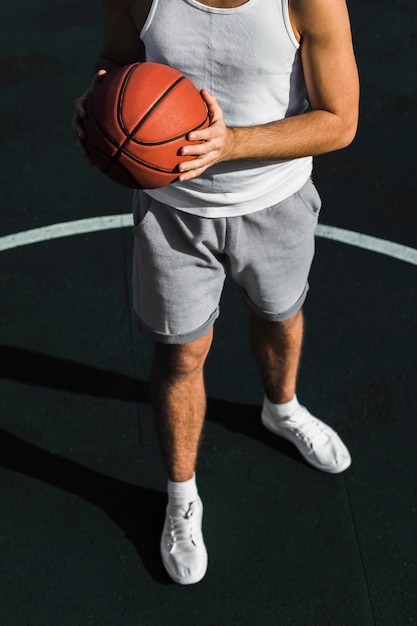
333	90
122	25
121	46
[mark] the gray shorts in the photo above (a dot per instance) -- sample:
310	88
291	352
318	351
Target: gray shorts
180	263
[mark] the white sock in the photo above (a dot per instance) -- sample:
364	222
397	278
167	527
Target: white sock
286	408
181	494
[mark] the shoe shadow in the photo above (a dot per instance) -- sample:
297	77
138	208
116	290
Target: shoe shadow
137	510
245	419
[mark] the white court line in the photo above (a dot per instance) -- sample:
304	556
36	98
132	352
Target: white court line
366	242
95	224
64	229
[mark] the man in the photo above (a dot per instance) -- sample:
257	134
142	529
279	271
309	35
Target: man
280	82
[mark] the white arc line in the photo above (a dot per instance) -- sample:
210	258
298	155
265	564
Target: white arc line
109	222
65	229
366	242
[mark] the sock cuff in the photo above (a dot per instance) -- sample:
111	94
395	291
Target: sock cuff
183	492
286	408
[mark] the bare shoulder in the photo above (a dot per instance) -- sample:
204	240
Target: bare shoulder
123	21
139	10
320	18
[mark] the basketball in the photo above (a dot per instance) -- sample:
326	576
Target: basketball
138	118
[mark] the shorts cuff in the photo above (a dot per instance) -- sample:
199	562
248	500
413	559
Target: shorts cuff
277	317
179	338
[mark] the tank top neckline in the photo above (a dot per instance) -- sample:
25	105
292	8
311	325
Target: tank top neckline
208	9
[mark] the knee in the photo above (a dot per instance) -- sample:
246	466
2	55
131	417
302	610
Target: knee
261	326
295	321
182	360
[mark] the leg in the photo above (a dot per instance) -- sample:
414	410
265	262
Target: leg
179	403
177	284
277	350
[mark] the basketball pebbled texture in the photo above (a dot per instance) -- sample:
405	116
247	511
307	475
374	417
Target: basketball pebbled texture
138	117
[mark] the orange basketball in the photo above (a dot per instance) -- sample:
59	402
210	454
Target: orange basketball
138	117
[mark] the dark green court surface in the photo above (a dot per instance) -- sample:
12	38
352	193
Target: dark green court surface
82	484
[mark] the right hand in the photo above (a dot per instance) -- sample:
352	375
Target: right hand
80	113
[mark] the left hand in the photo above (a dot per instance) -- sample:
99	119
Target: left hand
216	142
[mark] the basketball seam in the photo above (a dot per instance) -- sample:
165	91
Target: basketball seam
101	128
121	97
122	149
116	156
118	163
155	168
128	174
149	112
165	141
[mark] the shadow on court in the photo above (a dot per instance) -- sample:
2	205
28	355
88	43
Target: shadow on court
25	366
131	507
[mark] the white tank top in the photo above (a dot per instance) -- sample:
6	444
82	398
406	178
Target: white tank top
249	58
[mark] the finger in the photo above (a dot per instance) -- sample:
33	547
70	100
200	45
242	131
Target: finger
214	109
196	149
208	97
80	134
201	135
77	126
99	75
84	153
205	134
81	147
80	105
198	163
184	176
80	111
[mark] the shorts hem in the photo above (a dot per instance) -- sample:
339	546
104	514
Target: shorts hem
277	317
178	339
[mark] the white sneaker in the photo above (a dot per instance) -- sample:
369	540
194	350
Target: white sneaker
183	552
319	444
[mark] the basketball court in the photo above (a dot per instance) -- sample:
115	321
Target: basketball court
81	474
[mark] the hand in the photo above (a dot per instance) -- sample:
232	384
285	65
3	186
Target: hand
80	113
216	142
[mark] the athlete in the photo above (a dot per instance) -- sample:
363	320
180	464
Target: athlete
280	82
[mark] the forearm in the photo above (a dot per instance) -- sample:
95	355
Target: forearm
309	134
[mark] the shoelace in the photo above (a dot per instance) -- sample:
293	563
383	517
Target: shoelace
306	428
182	526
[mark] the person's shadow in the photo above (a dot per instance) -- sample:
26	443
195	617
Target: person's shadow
137	510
